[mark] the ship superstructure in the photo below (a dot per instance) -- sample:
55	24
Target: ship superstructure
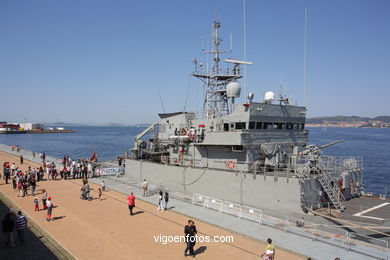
250	149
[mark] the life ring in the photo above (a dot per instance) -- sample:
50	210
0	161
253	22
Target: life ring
231	164
192	136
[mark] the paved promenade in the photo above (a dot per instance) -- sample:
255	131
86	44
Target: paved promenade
104	230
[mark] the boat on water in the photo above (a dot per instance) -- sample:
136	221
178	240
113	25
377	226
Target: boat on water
253	153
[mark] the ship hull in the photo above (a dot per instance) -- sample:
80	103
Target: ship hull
280	194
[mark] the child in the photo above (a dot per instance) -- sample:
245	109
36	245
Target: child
36	203
100	194
103	186
49	207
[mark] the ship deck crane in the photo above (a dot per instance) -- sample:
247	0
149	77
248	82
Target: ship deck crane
138	140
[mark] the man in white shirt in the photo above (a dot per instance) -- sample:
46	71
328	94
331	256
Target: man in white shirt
145	188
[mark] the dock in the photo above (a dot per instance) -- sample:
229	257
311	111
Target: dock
38	131
104	229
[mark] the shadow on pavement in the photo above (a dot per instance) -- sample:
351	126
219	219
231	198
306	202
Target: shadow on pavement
33	248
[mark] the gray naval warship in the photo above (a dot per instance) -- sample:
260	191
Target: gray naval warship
254	153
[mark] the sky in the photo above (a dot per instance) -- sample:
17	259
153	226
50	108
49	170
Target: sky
99	62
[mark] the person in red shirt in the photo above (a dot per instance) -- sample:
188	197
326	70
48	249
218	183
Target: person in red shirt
131	200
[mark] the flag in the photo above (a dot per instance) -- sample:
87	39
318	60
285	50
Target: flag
93	157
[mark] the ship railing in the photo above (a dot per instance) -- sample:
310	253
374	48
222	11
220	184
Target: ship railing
252	214
335	236
229	208
275	220
331	235
374	247
300	226
337	164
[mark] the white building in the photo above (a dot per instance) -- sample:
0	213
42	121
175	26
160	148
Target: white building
30	126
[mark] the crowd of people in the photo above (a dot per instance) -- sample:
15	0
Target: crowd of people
24	183
81	168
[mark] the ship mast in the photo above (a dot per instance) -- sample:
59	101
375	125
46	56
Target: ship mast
215	79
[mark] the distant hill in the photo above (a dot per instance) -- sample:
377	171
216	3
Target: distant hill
62	124
385	119
346	119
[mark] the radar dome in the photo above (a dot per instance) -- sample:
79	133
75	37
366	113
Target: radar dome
233	90
269	97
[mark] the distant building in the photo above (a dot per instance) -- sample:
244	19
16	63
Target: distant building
30	126
8	127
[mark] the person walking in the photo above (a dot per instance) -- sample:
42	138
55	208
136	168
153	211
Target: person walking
166	199
49	206
33	185
145	188
87	191
103	184
19	188
160	201
21	223
44	198
13	168
131	200
21	159
24	187
14	183
190	233
7	173
100	194
8	225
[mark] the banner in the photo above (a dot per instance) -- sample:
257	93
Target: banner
110	171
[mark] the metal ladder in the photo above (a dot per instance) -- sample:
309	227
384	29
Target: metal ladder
332	192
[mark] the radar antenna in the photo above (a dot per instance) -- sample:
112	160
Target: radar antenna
216	79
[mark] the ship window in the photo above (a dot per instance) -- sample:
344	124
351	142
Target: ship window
252	125
259	125
237	148
240	125
279	126
302	126
226	127
267	125
289	126
232	125
296	126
